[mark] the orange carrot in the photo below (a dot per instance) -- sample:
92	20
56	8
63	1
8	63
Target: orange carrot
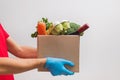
41	28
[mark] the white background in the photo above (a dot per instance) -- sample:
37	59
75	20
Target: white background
100	45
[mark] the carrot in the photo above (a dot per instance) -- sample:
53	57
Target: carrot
41	28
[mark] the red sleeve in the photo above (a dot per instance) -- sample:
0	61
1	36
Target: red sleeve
4	32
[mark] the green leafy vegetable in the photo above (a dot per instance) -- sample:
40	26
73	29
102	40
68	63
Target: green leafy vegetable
48	24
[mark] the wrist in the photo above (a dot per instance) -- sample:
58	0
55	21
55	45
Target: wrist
42	62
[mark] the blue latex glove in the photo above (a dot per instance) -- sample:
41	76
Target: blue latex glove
56	66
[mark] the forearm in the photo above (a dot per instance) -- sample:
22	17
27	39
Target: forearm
26	52
13	66
21	51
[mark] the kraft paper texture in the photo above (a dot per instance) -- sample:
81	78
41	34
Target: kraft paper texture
60	46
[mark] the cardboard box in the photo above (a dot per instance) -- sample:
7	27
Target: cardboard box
60	46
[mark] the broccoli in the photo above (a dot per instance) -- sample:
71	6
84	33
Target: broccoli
73	28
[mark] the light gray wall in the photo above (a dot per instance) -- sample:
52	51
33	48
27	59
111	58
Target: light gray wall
100	47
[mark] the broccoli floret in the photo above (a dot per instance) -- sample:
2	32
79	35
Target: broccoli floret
73	28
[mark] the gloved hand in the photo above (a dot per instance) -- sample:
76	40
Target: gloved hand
56	66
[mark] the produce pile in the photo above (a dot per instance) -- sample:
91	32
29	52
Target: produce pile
44	27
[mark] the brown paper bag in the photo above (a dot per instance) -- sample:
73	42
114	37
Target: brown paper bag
60	46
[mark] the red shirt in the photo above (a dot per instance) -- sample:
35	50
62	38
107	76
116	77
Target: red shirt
4	51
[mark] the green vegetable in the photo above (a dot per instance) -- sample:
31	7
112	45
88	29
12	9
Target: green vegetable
48	24
66	25
73	28
57	29
34	35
